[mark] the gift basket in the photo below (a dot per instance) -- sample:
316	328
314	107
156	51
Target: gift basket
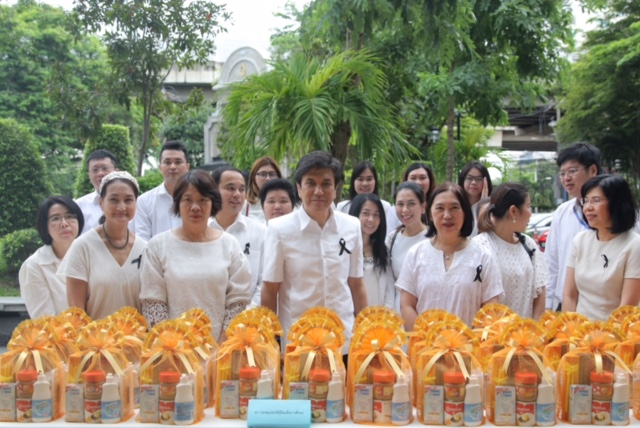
560	330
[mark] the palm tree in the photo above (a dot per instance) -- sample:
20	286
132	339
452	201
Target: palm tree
303	104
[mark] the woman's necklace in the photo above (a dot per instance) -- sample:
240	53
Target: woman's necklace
104	229
458	246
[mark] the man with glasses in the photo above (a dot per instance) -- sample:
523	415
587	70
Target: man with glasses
99	163
577	163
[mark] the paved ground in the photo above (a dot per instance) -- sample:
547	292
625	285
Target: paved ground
9	321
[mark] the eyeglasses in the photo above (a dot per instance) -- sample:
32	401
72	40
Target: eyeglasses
264	175
571	172
56	220
474	179
596	200
98	169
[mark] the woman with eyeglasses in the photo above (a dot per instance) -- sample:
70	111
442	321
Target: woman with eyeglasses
59	223
524	271
603	271
263	170
474	178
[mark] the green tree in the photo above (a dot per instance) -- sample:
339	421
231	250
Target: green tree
144	39
23	182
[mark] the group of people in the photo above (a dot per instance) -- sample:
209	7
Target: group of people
222	243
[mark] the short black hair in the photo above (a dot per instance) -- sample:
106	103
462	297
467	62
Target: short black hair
360	168
583	153
622	206
380	252
42	222
277	184
174	145
421	165
319	160
458	191
102	154
217	173
202	181
483	171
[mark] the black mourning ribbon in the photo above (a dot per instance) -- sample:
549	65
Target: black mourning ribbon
606	260
343	247
246	248
478	272
138	260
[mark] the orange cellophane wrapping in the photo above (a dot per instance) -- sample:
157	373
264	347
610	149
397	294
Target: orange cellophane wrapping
617	317
134	329
562	328
452	349
489	314
260	314
63	337
310	320
74	316
378	311
548	322
376	345
30	348
594	345
169	346
523	341
490	336
421	326
629	349
248	345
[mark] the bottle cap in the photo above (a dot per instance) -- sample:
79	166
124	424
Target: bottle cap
454	377
604	377
169	377
319	375
264	374
527	378
94	376
27	375
384	376
249	372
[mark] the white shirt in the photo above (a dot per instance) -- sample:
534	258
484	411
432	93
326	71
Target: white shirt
458	290
397	254
389	210
379	285
254	211
566	224
250	235
42	291
91	210
154	213
313	266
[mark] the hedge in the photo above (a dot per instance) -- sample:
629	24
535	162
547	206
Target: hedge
16	247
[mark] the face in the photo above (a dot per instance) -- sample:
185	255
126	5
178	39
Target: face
369	218
421	177
573	175
98	169
173	165
119	203
194	207
264	174
62	224
276	204
447	214
232	189
474	182
365	183
408	208
317	190
523	215
596	209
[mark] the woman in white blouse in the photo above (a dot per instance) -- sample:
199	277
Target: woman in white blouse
364	179
263	170
59	222
524	271
194	265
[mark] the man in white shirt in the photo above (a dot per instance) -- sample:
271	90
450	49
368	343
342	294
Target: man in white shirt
99	163
249	232
154	212
314	255
577	163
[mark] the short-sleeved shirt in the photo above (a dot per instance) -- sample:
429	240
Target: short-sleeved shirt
313	264
472	279
43	292
154	213
600	270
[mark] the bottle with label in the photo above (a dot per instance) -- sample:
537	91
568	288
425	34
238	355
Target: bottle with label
318	390
248	388
110	403
401	403
454	393
526	396
383	381
601	394
93	381
335	399
265	386
473	403
620	401
185	403
24	393
41	403
545	406
167	396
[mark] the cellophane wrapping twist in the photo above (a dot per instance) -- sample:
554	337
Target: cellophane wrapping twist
421	327
490	336
74	316
560	330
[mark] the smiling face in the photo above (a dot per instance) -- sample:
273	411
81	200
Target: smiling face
62	224
573	175
408	208
447	214
119	202
317	191
369	218
195	209
421	177
596	209
365	182
232	190
277	203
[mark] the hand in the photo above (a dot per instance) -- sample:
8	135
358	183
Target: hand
485	188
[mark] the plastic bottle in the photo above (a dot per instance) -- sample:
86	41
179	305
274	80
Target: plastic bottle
335	399
620	401
24	393
111	405
265	386
602	393
42	406
545	406
185	404
318	391
248	388
400	403
383	381
167	396
526	396
93	381
454	393
473	403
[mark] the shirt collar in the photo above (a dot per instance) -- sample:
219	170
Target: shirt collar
305	220
163	189
240	220
46	255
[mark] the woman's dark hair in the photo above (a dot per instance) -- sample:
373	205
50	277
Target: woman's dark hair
458	191
483	171
419	165
622	206
502	198
417	190
380	255
205	185
277	184
42	222
253	193
482	227
358	170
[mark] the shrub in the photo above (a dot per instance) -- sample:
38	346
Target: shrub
149	181
22	177
16	247
114	138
